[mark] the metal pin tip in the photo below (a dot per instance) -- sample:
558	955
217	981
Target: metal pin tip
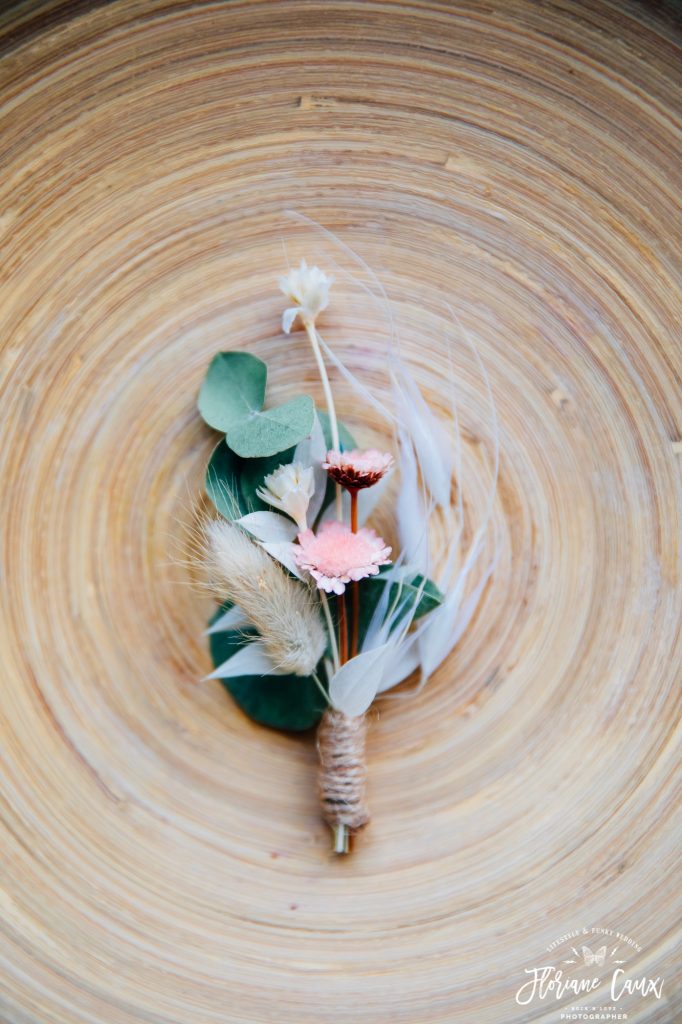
341	839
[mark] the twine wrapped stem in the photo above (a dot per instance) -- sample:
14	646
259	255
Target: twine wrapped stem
341	746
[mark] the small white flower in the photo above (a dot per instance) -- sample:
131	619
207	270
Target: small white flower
289	488
308	287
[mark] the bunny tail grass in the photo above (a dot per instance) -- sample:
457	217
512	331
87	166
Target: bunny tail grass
283	611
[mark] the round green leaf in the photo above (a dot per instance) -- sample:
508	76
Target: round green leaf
293	703
233	389
273	430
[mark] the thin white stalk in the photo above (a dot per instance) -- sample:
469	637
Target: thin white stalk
320	687
329	399
330	630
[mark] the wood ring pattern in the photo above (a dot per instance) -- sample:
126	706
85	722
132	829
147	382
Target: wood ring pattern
163	859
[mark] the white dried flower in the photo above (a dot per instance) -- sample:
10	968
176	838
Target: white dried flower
290	488
284	611
307	287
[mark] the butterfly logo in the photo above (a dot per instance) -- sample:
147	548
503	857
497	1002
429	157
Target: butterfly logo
597	958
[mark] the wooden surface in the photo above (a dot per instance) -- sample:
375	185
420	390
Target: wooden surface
162	858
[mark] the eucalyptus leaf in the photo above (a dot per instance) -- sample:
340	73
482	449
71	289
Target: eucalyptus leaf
253	471
233	389
292	703
222	482
272	430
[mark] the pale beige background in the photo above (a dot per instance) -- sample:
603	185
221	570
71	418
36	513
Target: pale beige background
162	857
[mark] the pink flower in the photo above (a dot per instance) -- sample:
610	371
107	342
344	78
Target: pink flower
357	469
335	556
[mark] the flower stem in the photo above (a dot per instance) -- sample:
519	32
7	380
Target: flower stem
331	409
320	686
355	586
330	629
341	843
343	628
329	398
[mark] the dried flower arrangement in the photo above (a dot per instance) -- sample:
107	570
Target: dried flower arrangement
318	616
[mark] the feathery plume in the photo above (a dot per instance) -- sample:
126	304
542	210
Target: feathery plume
284	612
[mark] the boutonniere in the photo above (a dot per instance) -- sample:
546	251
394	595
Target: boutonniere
318	614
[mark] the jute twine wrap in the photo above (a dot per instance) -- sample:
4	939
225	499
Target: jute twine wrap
163	858
341	747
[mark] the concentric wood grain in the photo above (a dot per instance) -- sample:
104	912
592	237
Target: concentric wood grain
163	859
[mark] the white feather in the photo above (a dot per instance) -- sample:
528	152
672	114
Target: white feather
402	662
283	552
427	455
371	399
269	527
369	498
389	607
446	624
250	660
234	618
411	512
355	685
426	434
469	606
275	534
311	452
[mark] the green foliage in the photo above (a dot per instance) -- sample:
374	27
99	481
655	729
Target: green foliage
257	441
233	389
295	703
272	430
231	400
223	482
